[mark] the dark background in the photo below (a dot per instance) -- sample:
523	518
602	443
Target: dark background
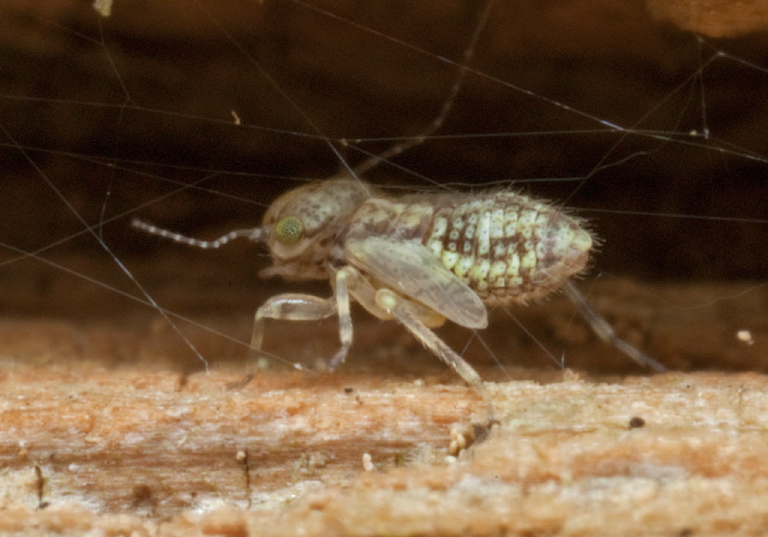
118	114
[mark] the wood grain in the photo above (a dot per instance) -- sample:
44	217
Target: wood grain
672	453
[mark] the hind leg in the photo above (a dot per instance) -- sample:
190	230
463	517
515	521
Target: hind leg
606	332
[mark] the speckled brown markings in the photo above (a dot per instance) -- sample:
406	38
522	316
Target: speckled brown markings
420	259
506	246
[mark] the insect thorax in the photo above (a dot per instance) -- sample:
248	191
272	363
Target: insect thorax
507	247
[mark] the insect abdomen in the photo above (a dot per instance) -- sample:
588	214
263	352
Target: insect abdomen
506	246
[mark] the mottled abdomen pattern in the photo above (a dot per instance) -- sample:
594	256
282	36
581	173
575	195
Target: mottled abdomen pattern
507	246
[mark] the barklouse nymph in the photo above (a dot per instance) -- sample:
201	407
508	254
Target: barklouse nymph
420	259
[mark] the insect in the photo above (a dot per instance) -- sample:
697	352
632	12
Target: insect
420	259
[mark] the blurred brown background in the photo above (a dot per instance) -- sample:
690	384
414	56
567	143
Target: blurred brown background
103	106
118	114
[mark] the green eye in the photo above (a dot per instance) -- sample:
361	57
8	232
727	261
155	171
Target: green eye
289	230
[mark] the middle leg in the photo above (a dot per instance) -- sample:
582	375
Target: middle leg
410	314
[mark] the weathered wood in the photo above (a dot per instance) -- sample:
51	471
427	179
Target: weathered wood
284	456
714	18
88	434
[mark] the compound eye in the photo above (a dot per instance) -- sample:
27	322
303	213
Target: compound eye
289	230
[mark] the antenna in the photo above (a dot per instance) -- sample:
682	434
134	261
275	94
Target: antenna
255	234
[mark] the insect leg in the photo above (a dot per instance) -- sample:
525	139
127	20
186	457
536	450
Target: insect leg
408	314
301	307
606	332
365	294
290	307
345	317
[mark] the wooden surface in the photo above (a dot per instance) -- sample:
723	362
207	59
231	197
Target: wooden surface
715	18
88	435
285	456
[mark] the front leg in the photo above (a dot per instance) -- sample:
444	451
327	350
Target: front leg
286	307
289	307
301	307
